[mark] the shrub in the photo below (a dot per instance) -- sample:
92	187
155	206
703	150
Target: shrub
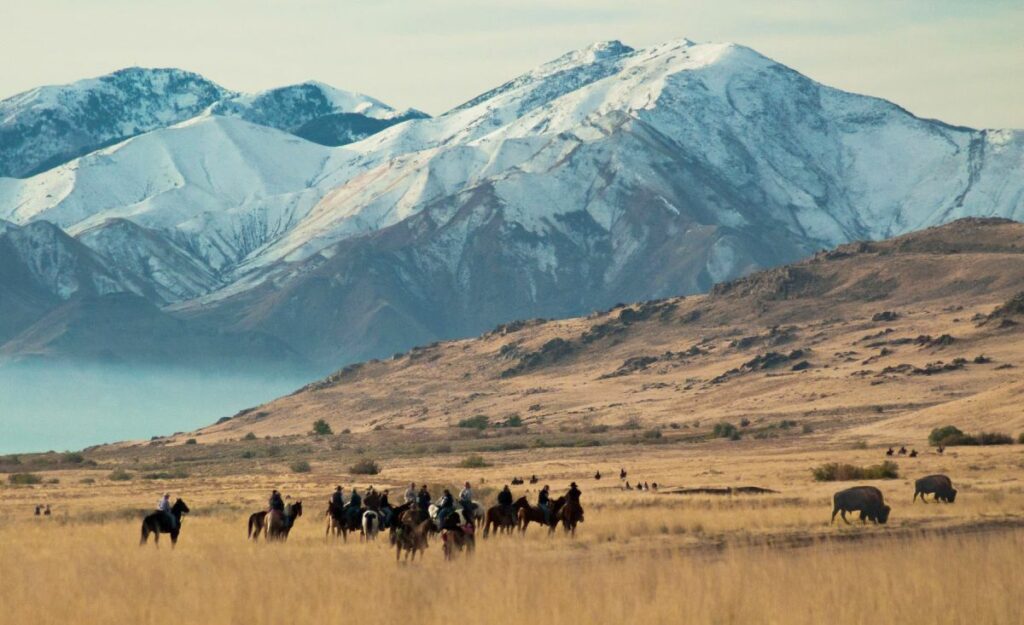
948	435
725	430
248	453
994	438
478	422
652	434
632	423
835	472
321	428
274	450
744	422
119	475
597	429
24	479
249	437
475	461
72	458
300	466
191	441
365	466
951	436
514	421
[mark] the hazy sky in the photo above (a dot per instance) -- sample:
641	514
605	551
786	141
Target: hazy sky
958	60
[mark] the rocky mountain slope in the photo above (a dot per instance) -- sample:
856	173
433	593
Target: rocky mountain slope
868	341
609	174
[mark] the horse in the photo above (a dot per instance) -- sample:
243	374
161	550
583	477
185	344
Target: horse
278	524
371	524
410	538
525	513
457	539
571	514
256	523
157	523
499	519
344	520
392	519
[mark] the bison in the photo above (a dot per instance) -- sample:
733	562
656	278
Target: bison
938	485
867	500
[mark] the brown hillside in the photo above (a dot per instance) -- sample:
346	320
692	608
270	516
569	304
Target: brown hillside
867	341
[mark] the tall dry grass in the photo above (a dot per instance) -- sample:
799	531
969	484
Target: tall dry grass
88	573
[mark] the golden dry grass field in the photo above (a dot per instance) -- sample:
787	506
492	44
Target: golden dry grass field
639	557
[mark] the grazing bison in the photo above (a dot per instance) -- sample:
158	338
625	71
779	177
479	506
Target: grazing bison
867	500
938	485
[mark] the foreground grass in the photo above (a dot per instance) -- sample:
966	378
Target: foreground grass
94	573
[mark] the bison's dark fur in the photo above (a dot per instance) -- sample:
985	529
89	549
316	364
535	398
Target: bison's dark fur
939	485
867	500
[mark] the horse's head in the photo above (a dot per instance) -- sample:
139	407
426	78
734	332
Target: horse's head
180	507
521	503
297	508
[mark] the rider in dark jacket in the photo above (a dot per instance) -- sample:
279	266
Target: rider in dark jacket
505	501
338	499
385	509
445	505
276	502
544	503
355	501
423	499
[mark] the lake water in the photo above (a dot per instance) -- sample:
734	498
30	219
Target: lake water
67	408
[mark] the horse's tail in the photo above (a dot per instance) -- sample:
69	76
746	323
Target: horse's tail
145	533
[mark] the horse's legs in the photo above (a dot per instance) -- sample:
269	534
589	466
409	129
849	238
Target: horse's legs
174	538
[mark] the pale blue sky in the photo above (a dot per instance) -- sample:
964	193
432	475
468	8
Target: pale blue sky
957	60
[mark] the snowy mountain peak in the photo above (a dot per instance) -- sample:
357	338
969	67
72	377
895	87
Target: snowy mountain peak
47	126
289	108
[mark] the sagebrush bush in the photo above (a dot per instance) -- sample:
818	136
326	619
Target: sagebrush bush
951	436
725	430
474	461
835	472
478	422
321	428
365	466
24	479
300	466
119	475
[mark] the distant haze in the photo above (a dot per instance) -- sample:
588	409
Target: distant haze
949	59
63	407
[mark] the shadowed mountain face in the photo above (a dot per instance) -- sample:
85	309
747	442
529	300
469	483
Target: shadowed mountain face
609	174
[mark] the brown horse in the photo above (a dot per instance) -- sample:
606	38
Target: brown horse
278	524
526	514
570	515
500	519
157	523
458	538
410	538
257	520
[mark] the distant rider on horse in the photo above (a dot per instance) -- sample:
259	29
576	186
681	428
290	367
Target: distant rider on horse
505	501
410	493
423	499
445	506
544	503
573	495
466	501
165	506
338	499
385	509
275	503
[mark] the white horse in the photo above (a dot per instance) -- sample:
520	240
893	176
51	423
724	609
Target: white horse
371	524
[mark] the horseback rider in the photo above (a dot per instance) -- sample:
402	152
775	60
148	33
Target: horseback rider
275	502
410	493
466	501
505	501
573	495
165	506
372	499
338	499
445	506
385	509
543	502
355	501
423	499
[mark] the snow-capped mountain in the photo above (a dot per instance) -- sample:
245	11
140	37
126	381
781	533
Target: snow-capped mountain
51	125
317	112
608	174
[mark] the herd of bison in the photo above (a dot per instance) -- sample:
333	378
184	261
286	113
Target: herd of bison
868	500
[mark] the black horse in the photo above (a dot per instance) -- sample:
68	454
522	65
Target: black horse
157	523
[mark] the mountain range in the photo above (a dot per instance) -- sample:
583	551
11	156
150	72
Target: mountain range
326	227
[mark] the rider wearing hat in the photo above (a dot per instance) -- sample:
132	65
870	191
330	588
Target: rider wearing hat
543	502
